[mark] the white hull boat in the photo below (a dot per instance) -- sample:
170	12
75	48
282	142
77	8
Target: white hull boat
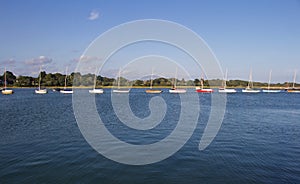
174	89
7	91
250	91
64	91
225	90
96	91
41	91
121	90
271	91
269	84
249	88
177	90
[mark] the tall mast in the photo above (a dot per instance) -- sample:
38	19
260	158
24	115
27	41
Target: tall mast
66	77
250	79
202	81
175	80
225	85
95	81
270	76
295	75
151	82
40	78
119	78
4	78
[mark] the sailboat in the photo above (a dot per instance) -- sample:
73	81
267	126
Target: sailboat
249	88
201	89
294	90
96	91
224	89
153	91
65	90
174	89
269	83
119	90
6	91
39	90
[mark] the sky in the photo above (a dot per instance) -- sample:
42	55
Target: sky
261	35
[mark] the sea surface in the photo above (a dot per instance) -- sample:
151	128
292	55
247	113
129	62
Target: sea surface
258	142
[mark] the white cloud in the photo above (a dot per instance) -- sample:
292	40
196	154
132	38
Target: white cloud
41	60
94	15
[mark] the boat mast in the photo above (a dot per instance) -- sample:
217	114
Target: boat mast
40	78
202	81
119	78
225	79
270	75
250	80
95	80
175	80
151	82
66	78
295	74
4	78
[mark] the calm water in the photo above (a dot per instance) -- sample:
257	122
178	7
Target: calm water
259	141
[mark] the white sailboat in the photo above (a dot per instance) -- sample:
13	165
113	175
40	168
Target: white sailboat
224	89
174	89
95	90
152	91
6	91
269	83
294	90
65	90
249	88
120	90
39	90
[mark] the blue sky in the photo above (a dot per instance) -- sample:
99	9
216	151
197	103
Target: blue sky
243	34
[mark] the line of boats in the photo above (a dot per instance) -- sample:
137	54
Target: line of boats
174	89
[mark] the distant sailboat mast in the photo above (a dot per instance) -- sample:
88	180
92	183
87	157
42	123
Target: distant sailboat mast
66	78
202	82
95	81
151	81
5	78
40	78
175	80
250	83
270	76
119	78
295	75
225	79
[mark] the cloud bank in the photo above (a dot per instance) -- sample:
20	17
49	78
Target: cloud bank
42	60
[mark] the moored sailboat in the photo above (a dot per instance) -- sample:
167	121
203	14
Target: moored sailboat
294	89
152	91
65	90
224	89
95	90
249	88
120	90
39	90
6	91
174	89
269	83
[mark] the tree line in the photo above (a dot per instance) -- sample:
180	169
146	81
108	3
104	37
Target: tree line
58	79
